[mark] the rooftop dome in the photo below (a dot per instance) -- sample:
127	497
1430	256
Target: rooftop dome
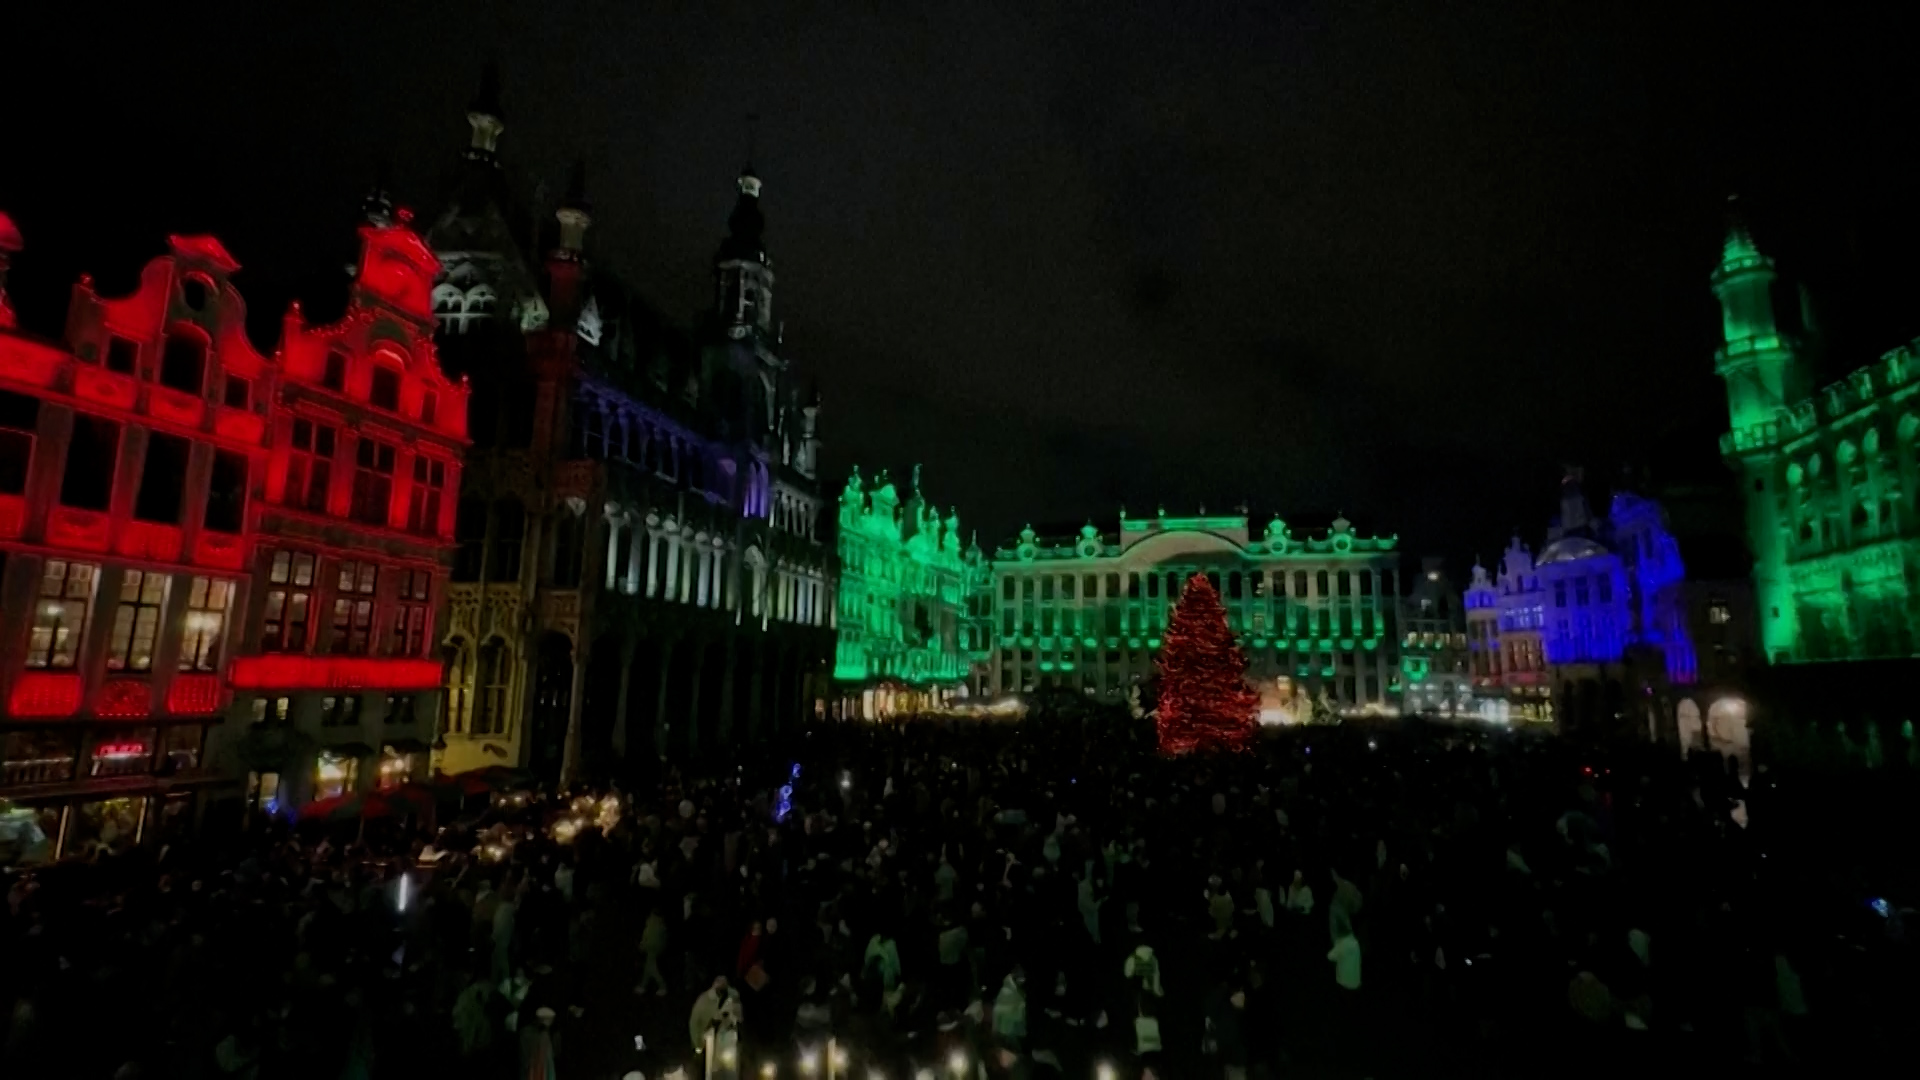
1569	549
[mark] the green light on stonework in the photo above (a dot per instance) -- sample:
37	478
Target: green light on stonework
1066	665
1133	643
1346	644
1153	643
1415	667
1046	665
1326	644
1259	643
1092	643
1327	671
1373	643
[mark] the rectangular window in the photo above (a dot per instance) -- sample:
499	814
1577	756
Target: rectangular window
60	617
207	603
289	607
353	608
183	363
227	493
1046	588
91	457
136	621
335	378
1580	592
410	614
19	424
1007	589
340	711
163	479
423	502
429	408
1113	586
1133	586
399	710
1006	621
310	466
385	392
123	355
1605	582
1559	594
238	393
372	482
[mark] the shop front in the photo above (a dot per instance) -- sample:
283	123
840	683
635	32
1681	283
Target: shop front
69	790
336	769
402	761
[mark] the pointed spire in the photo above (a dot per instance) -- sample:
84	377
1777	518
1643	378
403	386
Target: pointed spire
574	214
377	206
1739	248
485	115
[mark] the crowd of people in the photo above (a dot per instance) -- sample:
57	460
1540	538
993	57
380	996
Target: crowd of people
989	899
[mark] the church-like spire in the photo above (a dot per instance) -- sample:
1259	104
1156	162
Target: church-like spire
746	225
377	206
485	115
575	212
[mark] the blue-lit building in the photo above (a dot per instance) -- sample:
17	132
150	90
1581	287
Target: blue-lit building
1603	602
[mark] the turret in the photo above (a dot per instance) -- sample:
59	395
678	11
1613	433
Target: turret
1762	365
566	263
485	116
744	274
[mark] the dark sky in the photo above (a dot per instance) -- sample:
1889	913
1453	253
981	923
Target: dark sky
1399	260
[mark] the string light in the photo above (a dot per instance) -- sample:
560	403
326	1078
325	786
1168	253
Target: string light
1205	702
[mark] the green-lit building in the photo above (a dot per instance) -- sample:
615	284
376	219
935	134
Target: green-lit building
910	630
1317	612
1830	475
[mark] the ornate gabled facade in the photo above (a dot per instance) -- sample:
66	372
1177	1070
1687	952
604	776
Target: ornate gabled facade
910	614
1606	603
1317	614
641	567
192	528
1434	646
1828	474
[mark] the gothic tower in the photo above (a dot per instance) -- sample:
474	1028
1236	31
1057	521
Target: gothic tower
1766	375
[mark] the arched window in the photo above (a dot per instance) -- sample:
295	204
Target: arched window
183	364
509	533
459	659
490	713
450	307
569	549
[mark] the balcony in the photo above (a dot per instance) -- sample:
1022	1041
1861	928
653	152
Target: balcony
105	387
125	699
45	694
176	407
79	530
148	542
220	551
240	425
293	672
194	695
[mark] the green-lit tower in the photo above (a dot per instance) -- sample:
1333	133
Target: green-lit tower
1766	373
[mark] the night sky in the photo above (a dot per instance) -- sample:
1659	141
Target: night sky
1397	260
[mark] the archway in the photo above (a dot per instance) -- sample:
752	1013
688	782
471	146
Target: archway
1687	719
552	699
1727	731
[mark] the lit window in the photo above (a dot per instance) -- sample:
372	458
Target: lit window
1718	614
290	606
340	711
385	391
310	466
207	603
136	621
410	614
59	620
353	608
423	502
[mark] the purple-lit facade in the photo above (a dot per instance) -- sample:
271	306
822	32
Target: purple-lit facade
1604	599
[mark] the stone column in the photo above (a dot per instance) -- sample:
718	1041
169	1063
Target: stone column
627	648
570	753
667	648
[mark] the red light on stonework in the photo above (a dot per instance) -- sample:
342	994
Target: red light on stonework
221	551
148	541
13	516
194	695
205	247
124	699
45	693
333	673
79	530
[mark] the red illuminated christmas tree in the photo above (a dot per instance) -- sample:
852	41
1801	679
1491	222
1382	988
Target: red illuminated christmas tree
1205	702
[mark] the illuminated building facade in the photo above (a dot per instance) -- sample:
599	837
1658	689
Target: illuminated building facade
640	568
1433	649
1827	474
910	603
1317	613
1605	601
193	529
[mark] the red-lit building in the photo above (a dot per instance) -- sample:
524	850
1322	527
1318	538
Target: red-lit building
221	568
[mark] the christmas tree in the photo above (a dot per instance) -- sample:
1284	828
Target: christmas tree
1205	702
